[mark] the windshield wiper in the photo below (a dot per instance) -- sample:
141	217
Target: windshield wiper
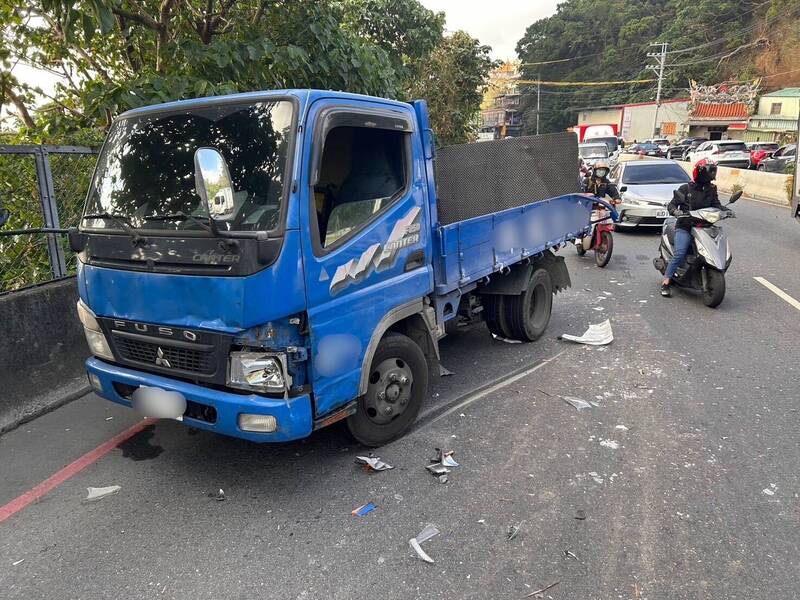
121	220
211	227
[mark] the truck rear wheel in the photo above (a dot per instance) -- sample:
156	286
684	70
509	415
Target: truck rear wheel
529	313
494	311
398	383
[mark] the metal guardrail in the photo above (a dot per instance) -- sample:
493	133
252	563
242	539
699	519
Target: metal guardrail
43	188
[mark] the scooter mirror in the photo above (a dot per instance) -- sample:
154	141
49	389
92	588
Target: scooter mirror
735	197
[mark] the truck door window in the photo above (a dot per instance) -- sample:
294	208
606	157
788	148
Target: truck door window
362	171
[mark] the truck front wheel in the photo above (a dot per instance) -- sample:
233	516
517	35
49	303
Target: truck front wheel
529	313
398	383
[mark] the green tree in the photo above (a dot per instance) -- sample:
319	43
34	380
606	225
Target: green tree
453	80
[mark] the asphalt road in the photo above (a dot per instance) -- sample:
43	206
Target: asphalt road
681	483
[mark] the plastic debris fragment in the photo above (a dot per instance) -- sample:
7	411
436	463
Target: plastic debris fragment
513	530
373	463
599	334
19	562
622	428
613	444
427	533
506	340
580	515
219	495
444	372
445	457
570	554
102	492
364	509
438	469
576	402
543	590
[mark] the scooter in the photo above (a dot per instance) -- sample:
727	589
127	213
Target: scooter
709	255
600	239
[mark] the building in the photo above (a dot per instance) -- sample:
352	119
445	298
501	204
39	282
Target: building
719	120
776	119
635	120
500	116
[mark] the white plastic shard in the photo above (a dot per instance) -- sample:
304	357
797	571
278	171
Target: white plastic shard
427	533
420	552
597	335
374	463
576	402
98	493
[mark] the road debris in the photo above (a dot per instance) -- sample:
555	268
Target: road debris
513	530
599	334
423	536
364	509
543	590
576	402
373	463
506	340
219	495
580	515
438	469
613	444
19	562
445	457
444	372
598	308
109	418
770	491
570	554
101	492
595	477
622	428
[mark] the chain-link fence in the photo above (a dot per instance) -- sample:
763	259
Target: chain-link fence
43	189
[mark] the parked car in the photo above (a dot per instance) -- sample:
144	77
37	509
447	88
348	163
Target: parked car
591	152
650	149
777	163
759	151
680	150
724	153
646	187
662	143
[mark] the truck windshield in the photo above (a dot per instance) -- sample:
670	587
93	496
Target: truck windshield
594	151
611	142
146	171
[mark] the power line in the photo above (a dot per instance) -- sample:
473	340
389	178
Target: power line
581	83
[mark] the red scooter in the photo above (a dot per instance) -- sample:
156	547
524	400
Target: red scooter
600	239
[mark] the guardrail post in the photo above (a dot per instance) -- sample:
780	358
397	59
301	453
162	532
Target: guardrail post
47	197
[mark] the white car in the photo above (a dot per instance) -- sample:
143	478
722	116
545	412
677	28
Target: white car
646	188
724	153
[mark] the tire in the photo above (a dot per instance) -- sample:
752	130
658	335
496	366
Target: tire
602	253
529	313
396	355
714	292
494	307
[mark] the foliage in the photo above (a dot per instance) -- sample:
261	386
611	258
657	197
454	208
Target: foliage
453	81
612	39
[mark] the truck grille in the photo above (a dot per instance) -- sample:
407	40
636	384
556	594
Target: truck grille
165	356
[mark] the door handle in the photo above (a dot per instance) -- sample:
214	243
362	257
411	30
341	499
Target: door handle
414	260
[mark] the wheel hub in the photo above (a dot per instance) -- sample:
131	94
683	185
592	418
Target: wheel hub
389	391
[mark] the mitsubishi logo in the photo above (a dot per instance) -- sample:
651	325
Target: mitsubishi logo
160	360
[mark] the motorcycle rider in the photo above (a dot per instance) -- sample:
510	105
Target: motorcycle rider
698	193
597	182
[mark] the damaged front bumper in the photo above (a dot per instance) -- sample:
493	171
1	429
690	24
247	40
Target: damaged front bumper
208	408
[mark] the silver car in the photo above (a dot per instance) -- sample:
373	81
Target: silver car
646	188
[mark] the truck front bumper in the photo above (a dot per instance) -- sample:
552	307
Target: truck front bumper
293	415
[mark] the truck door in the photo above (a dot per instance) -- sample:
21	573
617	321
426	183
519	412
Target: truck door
367	249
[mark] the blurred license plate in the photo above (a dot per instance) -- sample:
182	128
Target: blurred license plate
158	403
661	214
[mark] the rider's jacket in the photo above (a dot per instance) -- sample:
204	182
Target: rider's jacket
691	196
600	187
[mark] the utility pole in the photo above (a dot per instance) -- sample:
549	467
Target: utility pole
659	70
538	100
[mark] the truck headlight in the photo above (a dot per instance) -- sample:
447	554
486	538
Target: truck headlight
257	371
98	345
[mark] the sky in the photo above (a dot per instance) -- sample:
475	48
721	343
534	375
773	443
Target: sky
497	23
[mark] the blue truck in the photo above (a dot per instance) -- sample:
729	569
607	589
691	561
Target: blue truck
262	265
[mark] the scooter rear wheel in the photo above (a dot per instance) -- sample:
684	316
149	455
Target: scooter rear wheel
714	289
602	253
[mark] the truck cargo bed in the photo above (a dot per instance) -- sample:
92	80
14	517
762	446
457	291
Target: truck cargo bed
472	249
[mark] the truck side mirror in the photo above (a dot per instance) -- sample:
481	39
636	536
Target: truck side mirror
5	215
77	240
212	181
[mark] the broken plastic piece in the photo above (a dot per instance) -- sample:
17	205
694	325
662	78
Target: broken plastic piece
427	533
576	402
445	457
506	340
543	590
19	562
597	335
363	509
580	515
443	372
438	469
442	478
373	462
98	493
569	554
219	496
513	530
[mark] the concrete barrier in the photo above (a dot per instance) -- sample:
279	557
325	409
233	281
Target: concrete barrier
42	350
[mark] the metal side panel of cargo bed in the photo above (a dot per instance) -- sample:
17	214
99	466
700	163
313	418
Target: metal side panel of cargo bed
472	249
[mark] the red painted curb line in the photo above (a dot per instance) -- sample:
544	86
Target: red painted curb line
72	469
